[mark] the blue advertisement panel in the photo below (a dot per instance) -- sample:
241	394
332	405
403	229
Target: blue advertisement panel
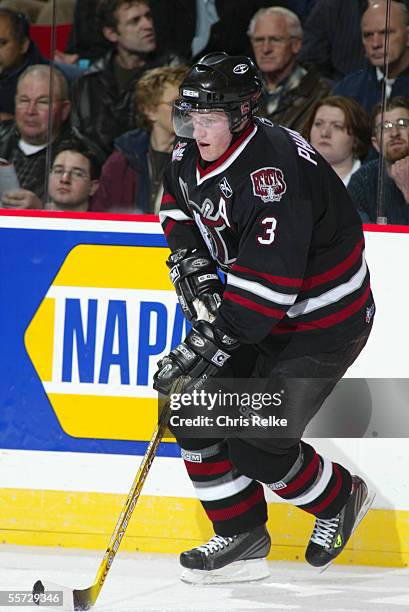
87	309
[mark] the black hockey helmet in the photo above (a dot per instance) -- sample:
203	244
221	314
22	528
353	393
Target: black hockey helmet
218	81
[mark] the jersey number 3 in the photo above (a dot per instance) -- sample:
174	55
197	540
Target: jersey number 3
268	235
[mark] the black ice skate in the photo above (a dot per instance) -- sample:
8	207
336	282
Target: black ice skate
238	558
330	536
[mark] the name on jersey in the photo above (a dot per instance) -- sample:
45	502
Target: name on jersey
268	184
304	149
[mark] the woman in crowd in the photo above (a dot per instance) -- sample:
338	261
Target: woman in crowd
339	128
131	179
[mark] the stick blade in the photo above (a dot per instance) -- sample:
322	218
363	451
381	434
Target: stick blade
74	600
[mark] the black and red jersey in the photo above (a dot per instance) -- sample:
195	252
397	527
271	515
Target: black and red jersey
279	222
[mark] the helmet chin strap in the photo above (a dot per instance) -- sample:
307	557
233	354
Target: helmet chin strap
240	128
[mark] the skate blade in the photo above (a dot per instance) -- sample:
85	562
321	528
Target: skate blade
239	571
364	509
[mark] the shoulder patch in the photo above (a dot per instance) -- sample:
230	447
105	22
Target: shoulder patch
268	184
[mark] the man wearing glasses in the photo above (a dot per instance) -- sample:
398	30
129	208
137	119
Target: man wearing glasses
27	140
290	90
393	129
73	178
72	182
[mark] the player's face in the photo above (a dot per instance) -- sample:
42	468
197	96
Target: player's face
329	135
70	183
134	32
373	33
274	48
212	134
395	134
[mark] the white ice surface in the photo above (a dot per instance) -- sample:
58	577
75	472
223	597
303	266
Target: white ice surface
150	583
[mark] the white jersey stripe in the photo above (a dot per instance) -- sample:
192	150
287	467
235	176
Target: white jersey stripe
173	213
260	290
221	491
331	296
317	488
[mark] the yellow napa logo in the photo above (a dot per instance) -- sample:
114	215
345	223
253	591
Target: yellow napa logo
95	339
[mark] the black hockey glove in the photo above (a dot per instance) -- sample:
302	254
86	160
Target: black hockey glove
198	286
202	353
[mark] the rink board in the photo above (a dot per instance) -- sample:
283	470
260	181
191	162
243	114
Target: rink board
86	311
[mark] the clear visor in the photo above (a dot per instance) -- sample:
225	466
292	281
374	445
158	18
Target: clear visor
189	122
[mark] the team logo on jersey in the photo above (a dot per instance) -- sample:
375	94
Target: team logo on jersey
225	187
240	69
178	151
212	225
268	184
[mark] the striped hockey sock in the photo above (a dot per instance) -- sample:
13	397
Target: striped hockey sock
234	503
315	484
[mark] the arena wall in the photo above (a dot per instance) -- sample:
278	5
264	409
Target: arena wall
86	311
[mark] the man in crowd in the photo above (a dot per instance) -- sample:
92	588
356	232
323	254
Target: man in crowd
257	201
366	85
17	52
332	37
103	106
290	89
73	178
72	182
26	142
363	186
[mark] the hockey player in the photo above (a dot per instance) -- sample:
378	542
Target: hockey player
258	202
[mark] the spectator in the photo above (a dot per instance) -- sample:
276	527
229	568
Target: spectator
26	141
209	26
86	43
332	37
289	89
339	129
131	179
72	181
17	52
366	85
197	36
103	105
363	186
73	178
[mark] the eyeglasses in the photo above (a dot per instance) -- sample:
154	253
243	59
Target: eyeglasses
40	104
75	173
258	41
399	124
170	104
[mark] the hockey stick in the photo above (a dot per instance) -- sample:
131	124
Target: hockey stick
84	599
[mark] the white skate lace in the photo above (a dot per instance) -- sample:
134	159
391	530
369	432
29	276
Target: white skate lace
215	543
324	530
